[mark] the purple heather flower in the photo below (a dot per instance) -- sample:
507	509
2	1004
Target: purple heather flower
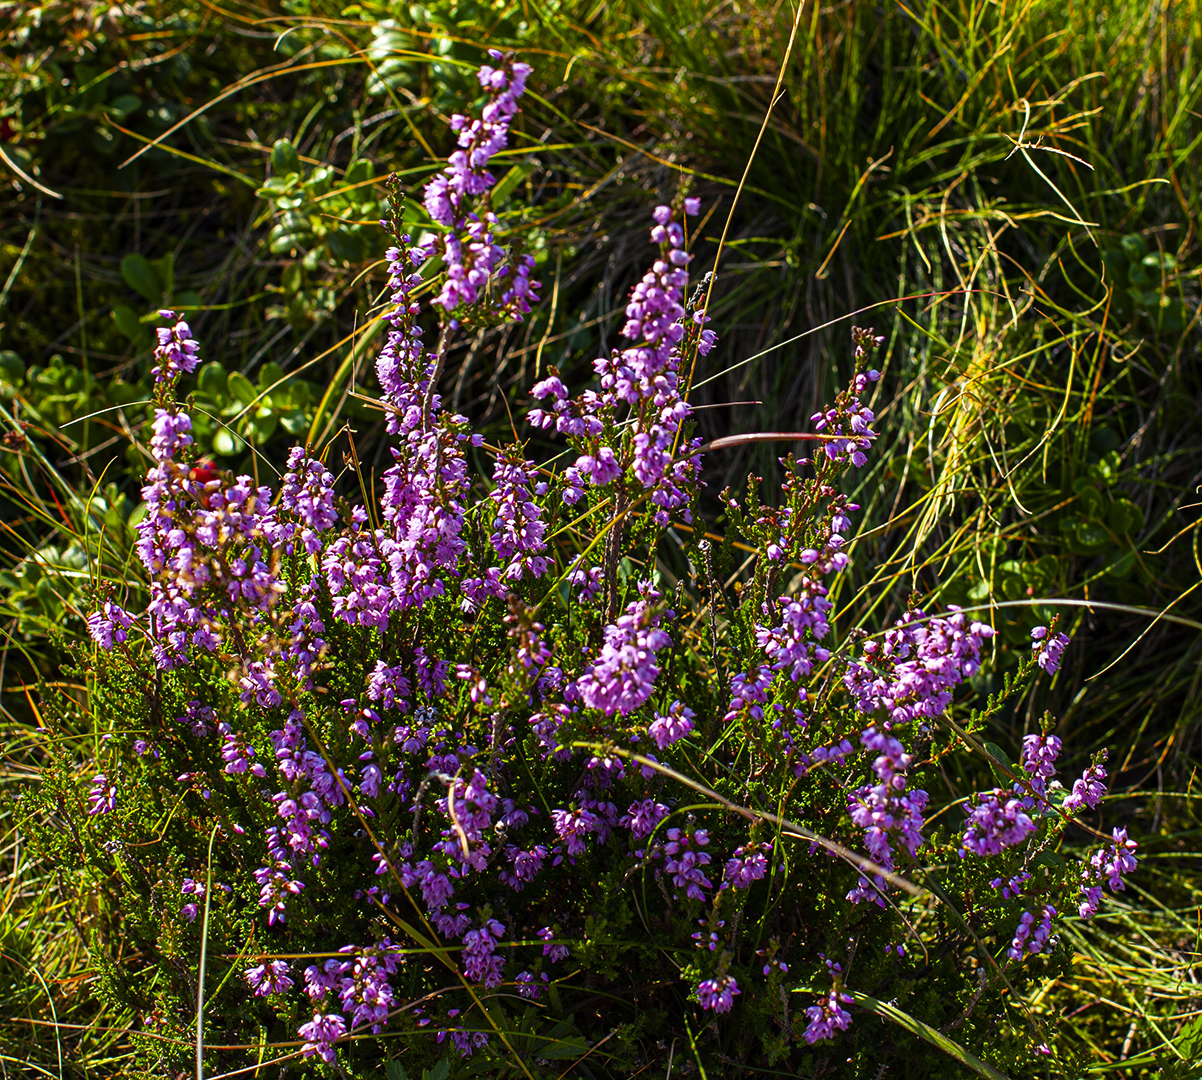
1012	887
668	728
644	377
747	694
553	953
480	964
1032	935
572	826
456	198
198	717
848	425
642	817
320	1034
790	646
274	890
914	672
271	977
886	810
996	820
625	671
1116	861
1091	897
308	493
518	528
718	994
589	582
685	861
526	865
827	1017
528	986
466	1042
109	624
1048	650
102	799
1088	790
176	352
388	687
747	865
1039	755
364	989
236	754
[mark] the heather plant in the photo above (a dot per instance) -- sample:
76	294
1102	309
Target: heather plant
490	760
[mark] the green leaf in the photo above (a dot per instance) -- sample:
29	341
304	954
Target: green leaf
394	1070
278	186
1046	569
121	107
319	182
1123	565
270	374
1134	247
509	181
292	278
140	276
999	758
212	381
262	427
284	158
440	1071
1125	517
226	443
241	388
1091	499
345	245
128	322
1156	261
12	367
281	241
1108	467
166	270
1090	535
295	422
1013	587
925	1031
1189	1042
359	171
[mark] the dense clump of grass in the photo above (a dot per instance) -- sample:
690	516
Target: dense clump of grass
1019	196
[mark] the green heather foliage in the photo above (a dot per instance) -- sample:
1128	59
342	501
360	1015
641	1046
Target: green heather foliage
1023	174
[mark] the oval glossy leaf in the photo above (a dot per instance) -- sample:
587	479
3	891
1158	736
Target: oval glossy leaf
295	422
1135	247
212	381
1090	535
127	321
226	443
262	427
143	278
284	158
240	387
